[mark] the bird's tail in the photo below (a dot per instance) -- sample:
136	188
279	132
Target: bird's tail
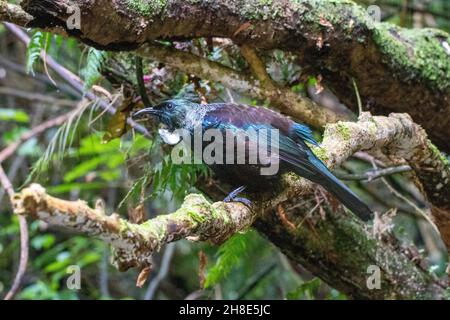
343	193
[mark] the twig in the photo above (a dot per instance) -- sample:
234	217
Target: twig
358	97
6	183
162	273
284	220
12	172
140	81
38	77
364	156
37	97
10	149
17	162
412	204
374	174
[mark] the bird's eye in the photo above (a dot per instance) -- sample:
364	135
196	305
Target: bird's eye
170	106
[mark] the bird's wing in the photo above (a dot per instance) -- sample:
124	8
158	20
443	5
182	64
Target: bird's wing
241	116
238	117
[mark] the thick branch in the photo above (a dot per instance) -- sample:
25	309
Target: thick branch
398	137
339	249
262	88
134	244
14	14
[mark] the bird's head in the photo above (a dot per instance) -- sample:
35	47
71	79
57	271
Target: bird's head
171	113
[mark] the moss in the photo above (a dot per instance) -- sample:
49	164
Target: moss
373	126
420	51
261	9
439	154
320	153
343	130
195	215
345	14
156	230
147	7
194	206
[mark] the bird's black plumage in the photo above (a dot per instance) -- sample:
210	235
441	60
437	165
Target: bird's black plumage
293	151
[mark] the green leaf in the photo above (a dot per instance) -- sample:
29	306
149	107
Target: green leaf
93	145
37	43
91	72
14	115
62	261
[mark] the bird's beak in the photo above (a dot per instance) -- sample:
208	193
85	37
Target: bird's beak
145	111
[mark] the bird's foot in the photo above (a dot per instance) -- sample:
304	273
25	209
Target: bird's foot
233	197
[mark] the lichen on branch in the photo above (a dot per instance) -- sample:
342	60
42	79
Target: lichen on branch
134	244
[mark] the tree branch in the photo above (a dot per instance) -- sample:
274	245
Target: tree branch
375	173
261	88
37	97
134	244
288	101
75	81
14	14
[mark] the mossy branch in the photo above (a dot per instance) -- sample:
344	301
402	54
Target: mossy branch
134	244
258	85
399	138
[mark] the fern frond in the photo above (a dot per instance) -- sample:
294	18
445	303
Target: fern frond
91	72
36	44
58	144
230	255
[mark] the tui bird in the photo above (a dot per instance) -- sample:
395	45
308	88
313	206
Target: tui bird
293	152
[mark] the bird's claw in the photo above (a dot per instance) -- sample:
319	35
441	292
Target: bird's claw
233	197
